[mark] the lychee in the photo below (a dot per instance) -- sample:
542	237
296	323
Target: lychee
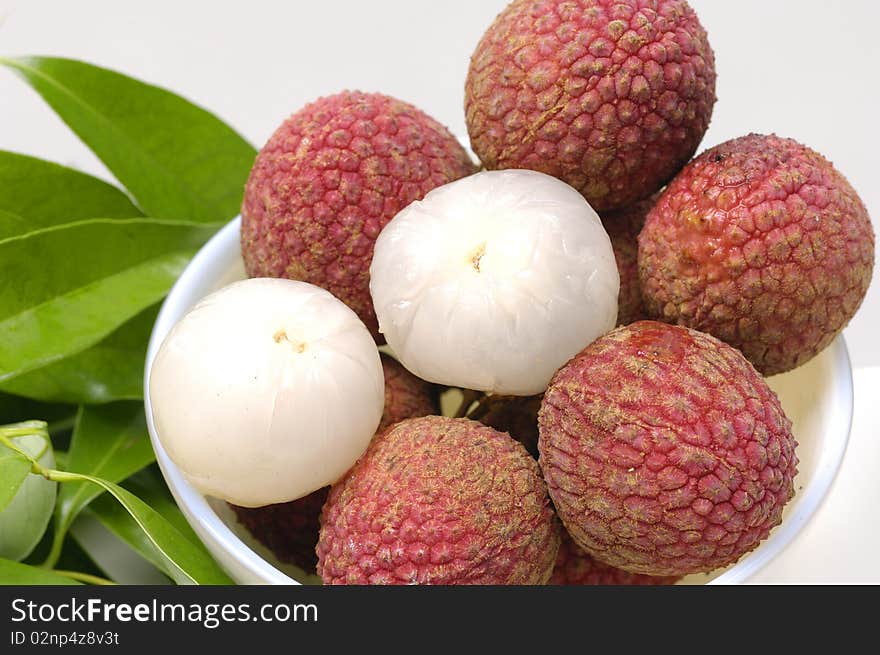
492	282
265	391
664	451
438	500
623	227
575	567
515	415
328	181
290	530
761	242
612	97
406	396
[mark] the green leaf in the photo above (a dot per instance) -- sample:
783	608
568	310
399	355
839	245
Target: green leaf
24	519
175	158
109	441
185	562
112	369
35	193
13	573
76	283
147	486
14	469
116	559
74	557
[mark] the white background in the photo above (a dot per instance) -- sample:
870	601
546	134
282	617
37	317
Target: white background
801	69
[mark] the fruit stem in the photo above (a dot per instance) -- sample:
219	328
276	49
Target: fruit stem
83	577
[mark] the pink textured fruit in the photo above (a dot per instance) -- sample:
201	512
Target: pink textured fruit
515	415
290	530
575	567
664	451
761	242
328	181
406	396
438	500
623	227
610	96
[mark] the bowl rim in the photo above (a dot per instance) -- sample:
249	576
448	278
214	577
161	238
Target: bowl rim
214	531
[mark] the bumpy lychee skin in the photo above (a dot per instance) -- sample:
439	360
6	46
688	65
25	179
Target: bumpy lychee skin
437	500
664	451
406	396
610	96
290	530
761	242
575	567
328	181
623	227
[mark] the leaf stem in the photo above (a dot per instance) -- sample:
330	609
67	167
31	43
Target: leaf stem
64	476
26	429
23	429
60	532
83	577
55	551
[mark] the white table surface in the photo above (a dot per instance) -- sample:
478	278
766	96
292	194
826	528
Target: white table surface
806	70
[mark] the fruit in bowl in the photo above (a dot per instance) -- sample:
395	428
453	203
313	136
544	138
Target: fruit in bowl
663	450
816	397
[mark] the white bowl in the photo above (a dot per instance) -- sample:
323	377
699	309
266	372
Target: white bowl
817	397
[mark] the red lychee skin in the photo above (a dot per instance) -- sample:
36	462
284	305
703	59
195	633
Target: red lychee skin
610	96
439	500
515	415
290	530
575	567
664	451
328	181
406	396
762	243
623	227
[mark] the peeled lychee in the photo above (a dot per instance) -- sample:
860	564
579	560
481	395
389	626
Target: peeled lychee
612	97
329	180
623	227
575	567
290	530
761	242
664	451
492	282
266	391
438	500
